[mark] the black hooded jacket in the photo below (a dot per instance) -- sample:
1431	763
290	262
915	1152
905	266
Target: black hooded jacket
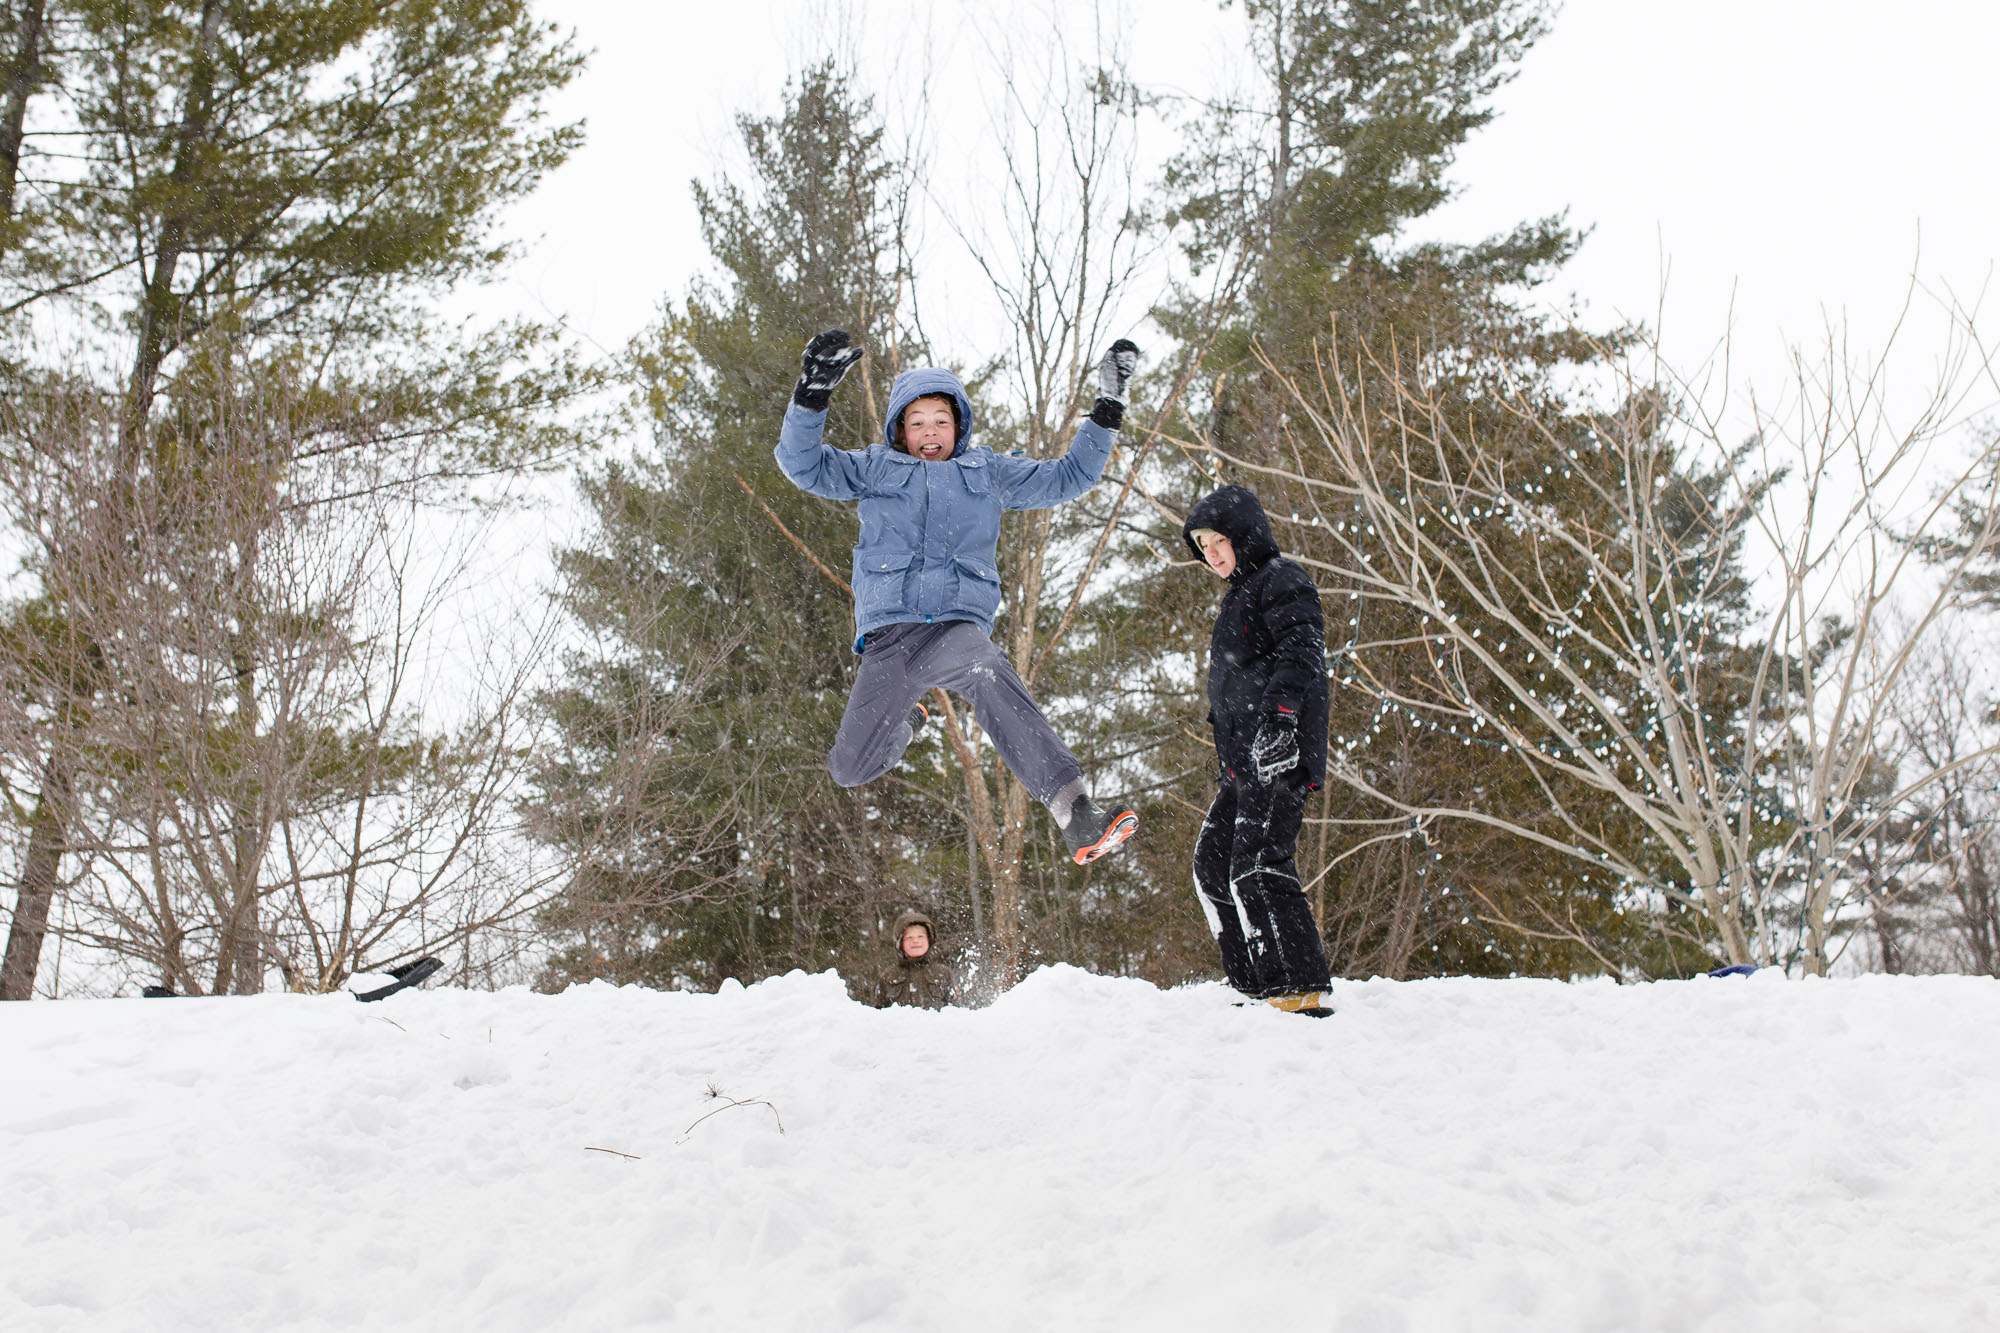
1269	649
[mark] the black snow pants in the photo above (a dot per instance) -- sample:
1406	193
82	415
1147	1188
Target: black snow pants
1248	883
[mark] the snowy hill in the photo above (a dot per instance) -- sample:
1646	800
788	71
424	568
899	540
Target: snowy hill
1085	1154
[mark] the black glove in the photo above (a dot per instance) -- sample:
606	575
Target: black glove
1114	372
826	361
1276	747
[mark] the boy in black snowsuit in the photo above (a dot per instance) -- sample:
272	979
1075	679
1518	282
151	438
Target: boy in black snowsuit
1267	702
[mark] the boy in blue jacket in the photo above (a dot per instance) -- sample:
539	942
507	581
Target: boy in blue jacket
927	576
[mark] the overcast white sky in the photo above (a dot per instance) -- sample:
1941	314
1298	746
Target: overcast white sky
1781	158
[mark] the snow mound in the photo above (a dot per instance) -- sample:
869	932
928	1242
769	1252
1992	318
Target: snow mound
1089	1152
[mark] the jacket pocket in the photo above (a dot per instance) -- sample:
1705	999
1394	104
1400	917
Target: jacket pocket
978	586
879	582
974	476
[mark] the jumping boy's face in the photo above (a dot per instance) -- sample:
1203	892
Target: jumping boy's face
916	941
929	431
1221	556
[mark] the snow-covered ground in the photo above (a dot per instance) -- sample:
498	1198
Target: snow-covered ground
1087	1153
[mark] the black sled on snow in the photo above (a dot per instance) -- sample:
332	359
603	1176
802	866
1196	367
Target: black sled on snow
409	974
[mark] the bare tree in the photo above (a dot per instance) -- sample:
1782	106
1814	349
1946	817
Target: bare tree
644	827
215	169
1056	234
1927	876
1739	764
289	758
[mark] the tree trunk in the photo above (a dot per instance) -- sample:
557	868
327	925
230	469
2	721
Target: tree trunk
159	312
1980	906
246	813
1725	914
24	72
982	825
38	885
972	879
1009	940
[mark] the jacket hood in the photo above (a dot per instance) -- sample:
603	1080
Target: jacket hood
903	923
914	384
1234	512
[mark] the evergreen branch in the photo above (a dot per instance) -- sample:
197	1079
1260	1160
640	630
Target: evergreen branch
818	563
1104	536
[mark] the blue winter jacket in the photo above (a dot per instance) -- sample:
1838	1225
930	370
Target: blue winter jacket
930	531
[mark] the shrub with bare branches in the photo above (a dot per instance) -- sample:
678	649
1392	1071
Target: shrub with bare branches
286	753
1738	752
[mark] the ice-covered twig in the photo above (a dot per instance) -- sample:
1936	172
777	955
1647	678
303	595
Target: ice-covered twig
729	1103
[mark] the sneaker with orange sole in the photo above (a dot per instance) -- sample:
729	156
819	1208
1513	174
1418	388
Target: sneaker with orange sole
1091	832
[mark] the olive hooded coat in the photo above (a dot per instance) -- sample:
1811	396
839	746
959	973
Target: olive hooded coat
927	982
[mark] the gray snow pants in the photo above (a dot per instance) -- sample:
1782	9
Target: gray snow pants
902	663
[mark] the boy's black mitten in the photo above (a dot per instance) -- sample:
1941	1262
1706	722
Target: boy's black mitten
1114	372
1276	745
826	361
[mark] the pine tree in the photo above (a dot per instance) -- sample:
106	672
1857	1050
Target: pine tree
1306	188
689	791
261	180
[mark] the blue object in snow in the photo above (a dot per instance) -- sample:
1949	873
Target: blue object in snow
1733	970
